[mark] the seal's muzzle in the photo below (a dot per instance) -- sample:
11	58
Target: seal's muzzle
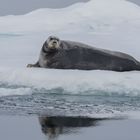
53	42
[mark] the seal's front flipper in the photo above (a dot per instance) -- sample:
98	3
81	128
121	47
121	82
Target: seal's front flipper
33	65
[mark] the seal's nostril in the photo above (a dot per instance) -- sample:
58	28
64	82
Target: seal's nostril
54	42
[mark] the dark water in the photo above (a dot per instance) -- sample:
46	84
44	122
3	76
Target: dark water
67	128
53	116
55	104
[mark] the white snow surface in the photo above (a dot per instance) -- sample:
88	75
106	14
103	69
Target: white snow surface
108	24
94	15
72	81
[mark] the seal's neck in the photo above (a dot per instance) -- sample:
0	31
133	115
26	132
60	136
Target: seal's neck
48	50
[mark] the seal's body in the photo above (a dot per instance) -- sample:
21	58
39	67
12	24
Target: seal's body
74	55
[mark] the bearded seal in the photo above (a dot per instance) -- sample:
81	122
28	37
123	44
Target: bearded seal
63	54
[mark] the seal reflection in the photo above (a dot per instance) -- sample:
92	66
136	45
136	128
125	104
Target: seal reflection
55	126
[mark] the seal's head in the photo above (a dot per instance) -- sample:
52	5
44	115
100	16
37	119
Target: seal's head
53	42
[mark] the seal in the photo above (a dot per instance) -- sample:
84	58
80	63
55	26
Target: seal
63	54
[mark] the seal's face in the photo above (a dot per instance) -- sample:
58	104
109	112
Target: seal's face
53	42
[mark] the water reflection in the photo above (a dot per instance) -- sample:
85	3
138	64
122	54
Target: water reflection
55	126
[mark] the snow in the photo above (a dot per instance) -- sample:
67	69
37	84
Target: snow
93	14
71	81
108	24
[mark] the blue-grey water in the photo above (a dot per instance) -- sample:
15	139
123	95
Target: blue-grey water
55	115
57	128
56	103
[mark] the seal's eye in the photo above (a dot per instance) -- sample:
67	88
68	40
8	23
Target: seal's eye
51	38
